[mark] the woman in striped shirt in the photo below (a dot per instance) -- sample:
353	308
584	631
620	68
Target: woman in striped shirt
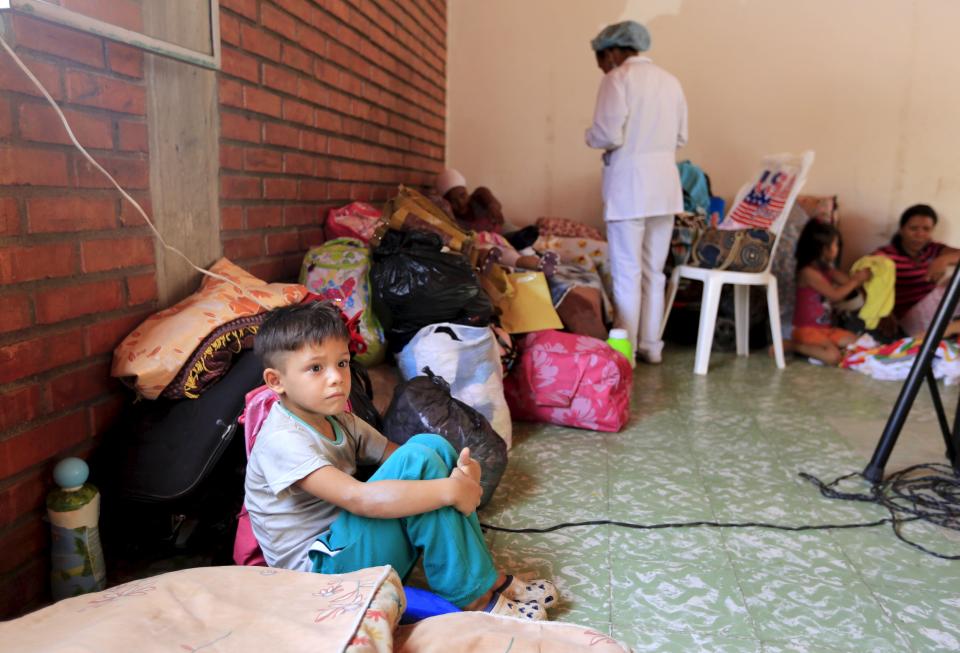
921	262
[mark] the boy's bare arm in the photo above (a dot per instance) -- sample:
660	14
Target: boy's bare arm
388	451
392	499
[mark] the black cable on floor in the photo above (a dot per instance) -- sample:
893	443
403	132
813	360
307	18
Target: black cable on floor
927	492
687	524
932	498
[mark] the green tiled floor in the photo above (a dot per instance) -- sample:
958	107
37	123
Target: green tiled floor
727	447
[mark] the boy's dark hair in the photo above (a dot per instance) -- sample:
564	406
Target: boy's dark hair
815	237
289	328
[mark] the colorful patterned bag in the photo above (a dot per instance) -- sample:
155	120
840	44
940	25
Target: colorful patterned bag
743	250
355	220
687	228
570	380
339	270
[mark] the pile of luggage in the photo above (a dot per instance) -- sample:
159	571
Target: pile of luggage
474	352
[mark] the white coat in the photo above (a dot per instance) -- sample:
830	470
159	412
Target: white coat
640	120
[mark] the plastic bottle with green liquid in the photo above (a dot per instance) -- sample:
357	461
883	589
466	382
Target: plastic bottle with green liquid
617	339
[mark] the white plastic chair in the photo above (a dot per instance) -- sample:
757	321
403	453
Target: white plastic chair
714	280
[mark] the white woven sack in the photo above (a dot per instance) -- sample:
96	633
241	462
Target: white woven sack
468	359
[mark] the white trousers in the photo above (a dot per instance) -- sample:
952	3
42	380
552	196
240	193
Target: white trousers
638	250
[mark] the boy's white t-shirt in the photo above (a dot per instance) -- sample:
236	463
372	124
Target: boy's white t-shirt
286	520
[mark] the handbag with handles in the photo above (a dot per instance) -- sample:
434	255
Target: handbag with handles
523	299
737	250
409	210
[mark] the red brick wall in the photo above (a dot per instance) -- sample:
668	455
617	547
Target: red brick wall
322	102
76	271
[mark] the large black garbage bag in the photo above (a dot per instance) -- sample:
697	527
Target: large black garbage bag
361	396
424	405
414	285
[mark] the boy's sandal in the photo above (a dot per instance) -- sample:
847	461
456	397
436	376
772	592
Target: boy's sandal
548	263
529	610
542	591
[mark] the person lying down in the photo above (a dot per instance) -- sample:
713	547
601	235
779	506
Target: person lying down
481	212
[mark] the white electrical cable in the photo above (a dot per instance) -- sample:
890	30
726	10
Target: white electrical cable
113	181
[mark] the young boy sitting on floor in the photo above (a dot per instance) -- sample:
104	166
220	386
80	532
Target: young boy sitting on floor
307	510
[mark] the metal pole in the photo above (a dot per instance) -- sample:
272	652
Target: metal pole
941	414
955	460
908	393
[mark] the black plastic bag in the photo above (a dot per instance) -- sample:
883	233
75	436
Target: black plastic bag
523	238
414	285
424	405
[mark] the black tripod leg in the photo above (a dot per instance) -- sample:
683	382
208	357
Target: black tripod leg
956	437
908	393
941	414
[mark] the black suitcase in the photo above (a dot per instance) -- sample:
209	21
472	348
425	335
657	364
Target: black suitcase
171	474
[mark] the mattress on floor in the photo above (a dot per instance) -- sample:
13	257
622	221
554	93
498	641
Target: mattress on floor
234	609
478	632
256	609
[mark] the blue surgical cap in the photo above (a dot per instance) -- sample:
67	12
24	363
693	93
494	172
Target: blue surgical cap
628	34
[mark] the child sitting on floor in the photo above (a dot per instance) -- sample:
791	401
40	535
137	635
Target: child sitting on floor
309	513
818	284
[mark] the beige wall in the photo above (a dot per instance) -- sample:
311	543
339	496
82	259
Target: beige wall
873	86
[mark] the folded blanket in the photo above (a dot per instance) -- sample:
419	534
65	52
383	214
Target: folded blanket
236	609
567	228
892	362
152	355
567	277
470	632
214	357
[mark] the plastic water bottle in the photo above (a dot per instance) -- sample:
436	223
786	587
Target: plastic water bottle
617	339
76	555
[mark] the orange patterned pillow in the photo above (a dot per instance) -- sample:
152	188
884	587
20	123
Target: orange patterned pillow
151	356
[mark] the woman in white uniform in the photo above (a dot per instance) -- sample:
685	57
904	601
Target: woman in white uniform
640	121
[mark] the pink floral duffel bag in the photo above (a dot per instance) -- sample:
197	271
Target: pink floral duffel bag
571	380
355	220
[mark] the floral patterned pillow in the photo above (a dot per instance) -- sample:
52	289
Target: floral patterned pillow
152	354
567	228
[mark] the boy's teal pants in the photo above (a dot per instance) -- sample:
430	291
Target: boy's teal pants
455	556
